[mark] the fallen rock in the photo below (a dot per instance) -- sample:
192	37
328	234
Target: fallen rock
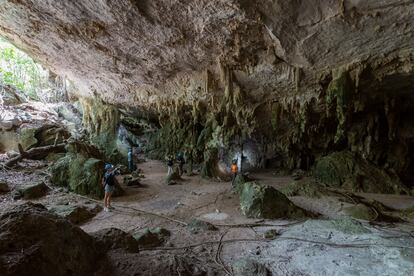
152	237
4	187
271	234
76	214
37	190
113	238
35	242
263	201
249	267
131	181
196	226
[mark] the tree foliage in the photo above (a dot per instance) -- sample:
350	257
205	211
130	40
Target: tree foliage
21	71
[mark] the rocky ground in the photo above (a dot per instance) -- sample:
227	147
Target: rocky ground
332	244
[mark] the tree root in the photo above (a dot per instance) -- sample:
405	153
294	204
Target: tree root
35	153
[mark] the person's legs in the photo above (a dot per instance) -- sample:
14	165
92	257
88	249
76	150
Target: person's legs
109	199
233	179
170	170
105	201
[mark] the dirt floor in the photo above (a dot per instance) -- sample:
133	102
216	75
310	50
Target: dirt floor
307	247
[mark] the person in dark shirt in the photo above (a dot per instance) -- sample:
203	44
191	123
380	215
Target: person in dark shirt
108	182
181	162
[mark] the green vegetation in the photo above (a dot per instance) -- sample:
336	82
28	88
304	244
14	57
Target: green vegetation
20	71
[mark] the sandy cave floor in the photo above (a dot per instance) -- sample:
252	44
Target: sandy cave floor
311	247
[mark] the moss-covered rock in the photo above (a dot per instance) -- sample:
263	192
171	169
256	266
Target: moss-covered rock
263	201
350	171
80	174
361	211
304	187
348	225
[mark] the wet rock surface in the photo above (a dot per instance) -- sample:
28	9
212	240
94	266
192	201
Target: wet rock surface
4	187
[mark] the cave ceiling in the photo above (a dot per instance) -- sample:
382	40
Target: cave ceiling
140	52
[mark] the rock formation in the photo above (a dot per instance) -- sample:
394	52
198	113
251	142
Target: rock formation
284	83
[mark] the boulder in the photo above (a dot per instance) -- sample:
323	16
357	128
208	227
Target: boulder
81	175
249	267
352	172
4	187
196	226
152	237
37	190
131	181
35	242
77	214
305	187
263	201
113	238
361	211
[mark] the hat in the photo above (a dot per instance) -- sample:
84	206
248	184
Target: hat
108	166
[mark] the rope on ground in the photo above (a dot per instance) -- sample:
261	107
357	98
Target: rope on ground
137	210
218	259
250	225
338	245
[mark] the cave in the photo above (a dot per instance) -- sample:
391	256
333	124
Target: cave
206	137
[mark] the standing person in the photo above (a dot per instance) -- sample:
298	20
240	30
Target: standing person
130	160
181	162
170	164
234	171
108	182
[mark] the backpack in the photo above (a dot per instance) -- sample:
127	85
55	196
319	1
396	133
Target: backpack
109	179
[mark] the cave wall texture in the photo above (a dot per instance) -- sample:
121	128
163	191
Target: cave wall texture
296	79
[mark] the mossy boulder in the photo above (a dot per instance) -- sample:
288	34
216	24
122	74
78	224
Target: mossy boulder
80	174
27	136
304	187
263	201
352	172
361	211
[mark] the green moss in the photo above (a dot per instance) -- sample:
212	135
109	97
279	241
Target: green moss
27	137
349	226
80	174
361	211
305	187
262	201
340	91
350	171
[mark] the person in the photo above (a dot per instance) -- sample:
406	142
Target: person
130	160
234	171
181	162
108	182
170	164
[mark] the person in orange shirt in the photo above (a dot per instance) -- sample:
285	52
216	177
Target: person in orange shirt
234	171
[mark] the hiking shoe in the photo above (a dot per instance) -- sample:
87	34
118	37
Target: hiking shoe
106	209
